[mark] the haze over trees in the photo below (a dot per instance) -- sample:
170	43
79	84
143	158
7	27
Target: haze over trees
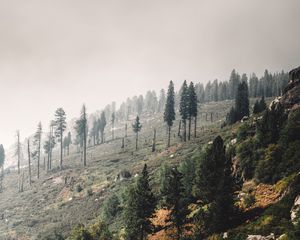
60	126
82	129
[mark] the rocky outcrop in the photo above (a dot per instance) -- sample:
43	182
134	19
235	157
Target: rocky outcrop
291	94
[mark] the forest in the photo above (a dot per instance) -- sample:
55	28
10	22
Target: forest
197	165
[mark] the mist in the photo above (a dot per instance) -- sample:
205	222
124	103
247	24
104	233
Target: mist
66	53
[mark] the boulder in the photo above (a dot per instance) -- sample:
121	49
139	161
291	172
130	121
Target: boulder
260	237
295	209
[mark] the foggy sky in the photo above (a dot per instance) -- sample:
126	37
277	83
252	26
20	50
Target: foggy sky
62	53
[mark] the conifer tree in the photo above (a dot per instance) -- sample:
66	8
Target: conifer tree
18	150
169	114
136	127
139	207
242	101
175	201
37	141
113	118
214	187
184	107
192	108
102	125
2	159
60	127
82	129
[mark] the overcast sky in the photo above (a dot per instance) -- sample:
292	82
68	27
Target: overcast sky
60	53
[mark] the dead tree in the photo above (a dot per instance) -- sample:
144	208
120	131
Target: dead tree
211	117
123	145
154	140
29	162
179	128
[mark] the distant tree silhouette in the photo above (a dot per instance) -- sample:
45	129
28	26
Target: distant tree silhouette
82	129
184	107
136	127
60	127
169	114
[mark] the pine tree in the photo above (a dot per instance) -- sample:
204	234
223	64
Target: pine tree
139	207
214	187
18	150
262	104
175	201
242	101
2	160
60	127
37	141
113	118
184	107
82	129
256	107
192	108
169	114
29	161
102	125
136	127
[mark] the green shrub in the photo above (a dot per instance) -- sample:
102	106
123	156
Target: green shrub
268	170
79	188
111	207
248	156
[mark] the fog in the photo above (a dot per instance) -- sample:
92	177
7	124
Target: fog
60	53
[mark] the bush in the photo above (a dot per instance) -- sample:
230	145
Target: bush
268	170
111	207
80	233
243	132
79	188
248	156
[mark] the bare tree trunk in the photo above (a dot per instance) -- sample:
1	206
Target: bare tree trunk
39	156
190	124
136	141
123	144
18	150
44	163
126	130
154	140
169	136
195	127
29	162
179	128
61	150
211	117
84	146
184	130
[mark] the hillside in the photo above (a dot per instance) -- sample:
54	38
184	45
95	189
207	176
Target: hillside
49	204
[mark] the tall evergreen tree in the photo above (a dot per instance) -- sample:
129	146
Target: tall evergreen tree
18	150
184	107
175	201
113	119
82	129
169	114
102	125
139	207
60	127
214	187
242	101
136	127
37	141
2	160
192	108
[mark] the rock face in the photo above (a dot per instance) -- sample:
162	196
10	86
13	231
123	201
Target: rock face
291	94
